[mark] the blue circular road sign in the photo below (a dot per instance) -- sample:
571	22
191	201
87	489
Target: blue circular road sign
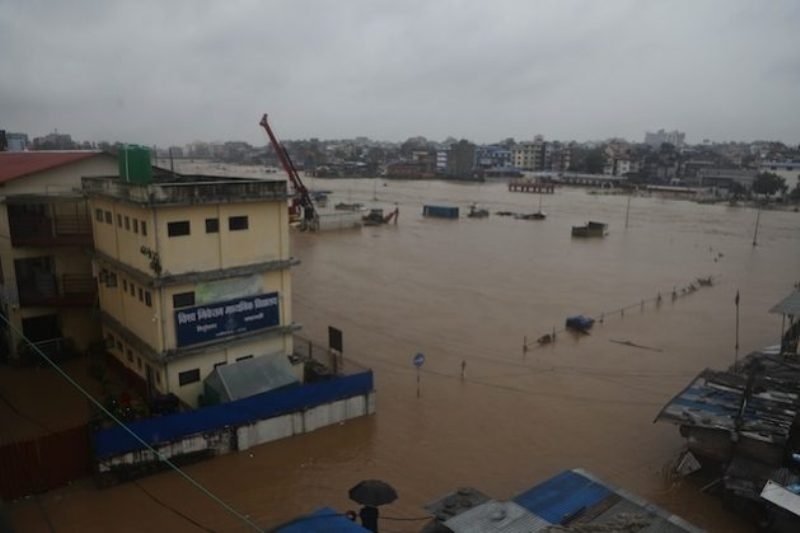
419	359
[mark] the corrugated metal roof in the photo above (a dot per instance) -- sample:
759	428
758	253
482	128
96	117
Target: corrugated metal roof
714	400
495	516
252	376
562	496
325	520
14	165
789	305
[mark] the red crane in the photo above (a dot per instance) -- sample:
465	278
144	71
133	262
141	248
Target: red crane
309	215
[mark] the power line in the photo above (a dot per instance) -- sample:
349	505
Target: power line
227	507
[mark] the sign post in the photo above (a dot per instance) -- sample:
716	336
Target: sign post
418	361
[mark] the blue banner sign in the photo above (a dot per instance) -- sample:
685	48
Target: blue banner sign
222	319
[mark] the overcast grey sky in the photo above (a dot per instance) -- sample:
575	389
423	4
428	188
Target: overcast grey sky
172	71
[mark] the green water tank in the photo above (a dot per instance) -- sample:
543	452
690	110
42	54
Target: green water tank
134	164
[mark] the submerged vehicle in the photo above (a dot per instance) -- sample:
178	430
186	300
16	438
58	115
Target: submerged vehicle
580	323
476	212
591	229
375	217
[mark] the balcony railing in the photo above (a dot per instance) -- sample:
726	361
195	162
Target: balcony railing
68	290
61	230
191	190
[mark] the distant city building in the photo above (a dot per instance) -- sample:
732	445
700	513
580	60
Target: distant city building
541	155
461	159
16	142
54	141
675	138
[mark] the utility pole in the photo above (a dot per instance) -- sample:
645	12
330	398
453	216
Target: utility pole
755	234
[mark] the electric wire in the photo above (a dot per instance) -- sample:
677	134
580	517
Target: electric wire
219	501
39	503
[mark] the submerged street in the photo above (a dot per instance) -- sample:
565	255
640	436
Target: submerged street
466	293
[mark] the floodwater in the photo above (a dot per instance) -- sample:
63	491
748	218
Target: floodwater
471	290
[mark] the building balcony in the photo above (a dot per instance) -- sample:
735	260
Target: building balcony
50	231
50	290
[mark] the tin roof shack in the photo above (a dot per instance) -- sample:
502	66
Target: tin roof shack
573	500
723	414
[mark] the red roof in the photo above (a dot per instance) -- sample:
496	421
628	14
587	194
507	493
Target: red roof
15	165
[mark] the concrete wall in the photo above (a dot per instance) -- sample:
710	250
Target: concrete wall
304	422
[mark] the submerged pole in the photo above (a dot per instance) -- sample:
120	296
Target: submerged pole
755	234
627	210
736	349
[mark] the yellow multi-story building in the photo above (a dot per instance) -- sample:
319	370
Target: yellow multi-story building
47	291
193	273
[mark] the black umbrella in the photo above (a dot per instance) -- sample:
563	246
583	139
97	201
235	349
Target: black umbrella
373	492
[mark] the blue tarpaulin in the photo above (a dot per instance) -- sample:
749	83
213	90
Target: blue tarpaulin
163	429
562	496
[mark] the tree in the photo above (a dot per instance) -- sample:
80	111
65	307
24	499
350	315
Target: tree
795	194
768	183
595	161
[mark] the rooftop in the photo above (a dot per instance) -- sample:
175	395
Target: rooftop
573	500
761	406
15	165
179	189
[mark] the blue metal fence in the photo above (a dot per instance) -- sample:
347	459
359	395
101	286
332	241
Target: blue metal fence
114	441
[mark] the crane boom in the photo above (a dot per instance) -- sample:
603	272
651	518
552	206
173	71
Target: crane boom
310	215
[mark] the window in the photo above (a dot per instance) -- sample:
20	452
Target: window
139	363
237	223
98	215
112	280
133	290
110	341
246	357
119	345
176	229
190	376
108	217
125	285
127	222
212	225
130	356
141	295
119	220
221	363
136	225
183	299
144	227
148	299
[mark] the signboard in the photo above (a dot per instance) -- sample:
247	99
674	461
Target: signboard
419	360
335	339
210	322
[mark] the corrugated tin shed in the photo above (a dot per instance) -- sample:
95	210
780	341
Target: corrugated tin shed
762	408
250	377
456	503
789	305
325	520
493	516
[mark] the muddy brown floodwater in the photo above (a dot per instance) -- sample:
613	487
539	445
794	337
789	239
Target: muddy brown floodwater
470	290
